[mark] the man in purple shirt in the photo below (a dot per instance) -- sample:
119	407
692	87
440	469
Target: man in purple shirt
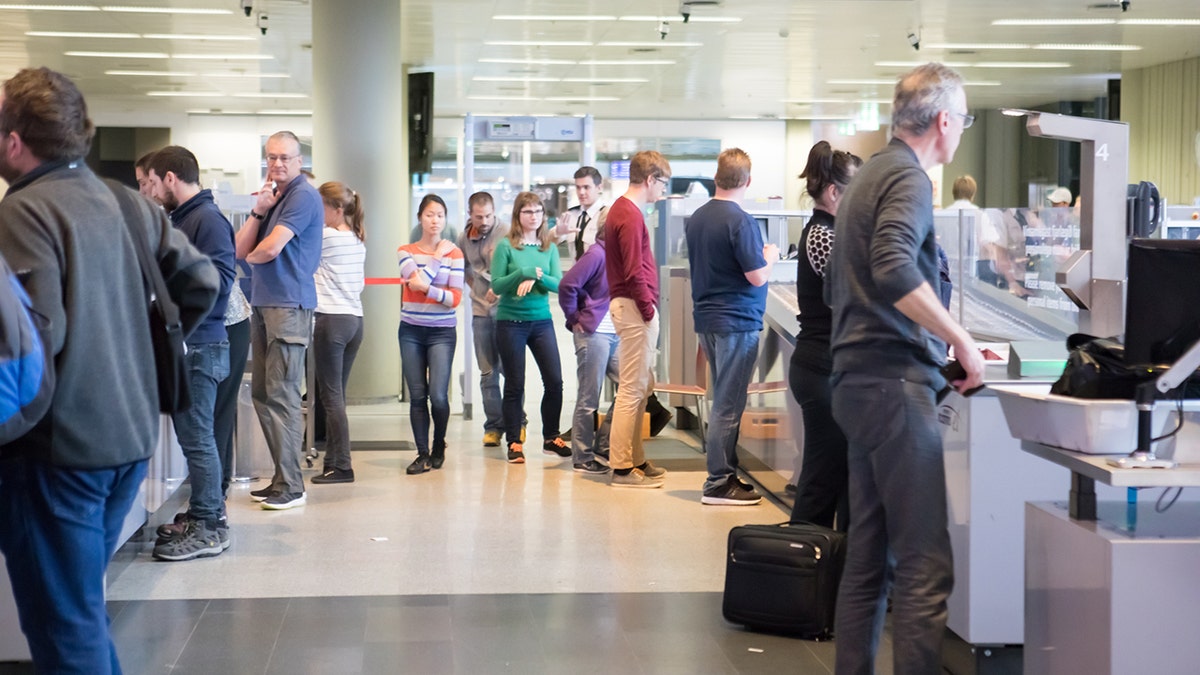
633	284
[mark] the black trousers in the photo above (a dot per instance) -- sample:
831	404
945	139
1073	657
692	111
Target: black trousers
822	489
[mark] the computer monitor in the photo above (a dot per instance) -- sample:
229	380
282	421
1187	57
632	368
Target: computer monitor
1162	315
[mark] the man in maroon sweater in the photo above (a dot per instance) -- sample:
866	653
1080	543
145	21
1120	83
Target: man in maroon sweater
633	286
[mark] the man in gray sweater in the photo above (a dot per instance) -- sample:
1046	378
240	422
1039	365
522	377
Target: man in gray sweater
67	485
888	341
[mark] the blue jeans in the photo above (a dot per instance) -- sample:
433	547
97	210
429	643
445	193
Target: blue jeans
595	356
426	357
61	528
487	356
208	365
731	357
278	339
336	339
539	336
897	524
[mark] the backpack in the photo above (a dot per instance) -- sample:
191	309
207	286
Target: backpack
26	375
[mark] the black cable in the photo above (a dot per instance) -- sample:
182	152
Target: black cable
1158	505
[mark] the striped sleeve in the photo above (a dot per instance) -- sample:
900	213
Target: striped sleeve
434	307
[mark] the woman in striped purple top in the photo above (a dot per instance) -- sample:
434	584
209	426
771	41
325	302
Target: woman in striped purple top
432	272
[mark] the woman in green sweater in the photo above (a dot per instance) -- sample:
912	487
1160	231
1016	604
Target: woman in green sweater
525	270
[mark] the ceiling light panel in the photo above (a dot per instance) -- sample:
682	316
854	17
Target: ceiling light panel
124	9
660	44
118	55
538	43
553	17
1088	47
679	19
214	38
72	34
50	8
1054	22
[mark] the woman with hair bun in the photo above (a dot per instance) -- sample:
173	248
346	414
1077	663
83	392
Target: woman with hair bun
821	490
338	325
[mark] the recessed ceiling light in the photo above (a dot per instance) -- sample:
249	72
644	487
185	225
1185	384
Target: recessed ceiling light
531	62
914	64
71	34
150	73
552	17
1053	22
977	45
186	94
650	44
1159	22
679	19
51	8
1021	64
224	57
1088	48
597	99
260	76
119	55
503	98
614	80
270	95
218	111
502	78
538	43
164	10
183	36
630	62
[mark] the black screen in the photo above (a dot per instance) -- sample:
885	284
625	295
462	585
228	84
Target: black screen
420	123
1162	316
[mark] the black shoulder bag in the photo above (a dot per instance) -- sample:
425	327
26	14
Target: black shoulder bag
166	330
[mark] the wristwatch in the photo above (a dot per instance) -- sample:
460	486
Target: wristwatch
254	214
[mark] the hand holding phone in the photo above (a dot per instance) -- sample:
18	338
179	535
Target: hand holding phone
953	371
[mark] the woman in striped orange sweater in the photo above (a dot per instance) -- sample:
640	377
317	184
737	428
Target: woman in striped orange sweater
432	271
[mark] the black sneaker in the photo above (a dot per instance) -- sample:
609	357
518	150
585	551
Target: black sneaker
516	453
591	466
731	493
263	494
556	447
333	476
281	501
223	534
198	541
438	457
419	465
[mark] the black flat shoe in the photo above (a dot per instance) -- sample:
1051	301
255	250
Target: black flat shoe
419	465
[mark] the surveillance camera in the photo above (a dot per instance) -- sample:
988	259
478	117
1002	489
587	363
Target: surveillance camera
262	22
663	29
685	10
247	7
1124	5
915	41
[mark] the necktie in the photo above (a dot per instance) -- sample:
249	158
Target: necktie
583	219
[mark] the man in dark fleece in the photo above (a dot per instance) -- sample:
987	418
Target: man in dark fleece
67	485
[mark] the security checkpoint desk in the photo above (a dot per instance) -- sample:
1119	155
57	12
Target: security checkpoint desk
1120	593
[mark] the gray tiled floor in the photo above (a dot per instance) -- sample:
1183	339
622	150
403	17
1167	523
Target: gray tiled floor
528	633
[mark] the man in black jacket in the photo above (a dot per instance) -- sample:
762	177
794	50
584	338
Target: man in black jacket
174	176
67	485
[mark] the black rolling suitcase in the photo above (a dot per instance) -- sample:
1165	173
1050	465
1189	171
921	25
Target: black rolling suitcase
784	578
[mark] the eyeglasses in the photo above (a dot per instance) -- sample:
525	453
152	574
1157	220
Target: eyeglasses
271	159
664	180
532	212
968	120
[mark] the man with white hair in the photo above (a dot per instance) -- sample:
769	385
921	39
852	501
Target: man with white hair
888	340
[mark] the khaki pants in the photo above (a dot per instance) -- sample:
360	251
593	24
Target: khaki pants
635	355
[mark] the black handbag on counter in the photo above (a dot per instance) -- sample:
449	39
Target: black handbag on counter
166	329
1096	368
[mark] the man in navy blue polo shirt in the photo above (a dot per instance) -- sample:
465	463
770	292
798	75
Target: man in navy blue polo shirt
730	267
282	242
